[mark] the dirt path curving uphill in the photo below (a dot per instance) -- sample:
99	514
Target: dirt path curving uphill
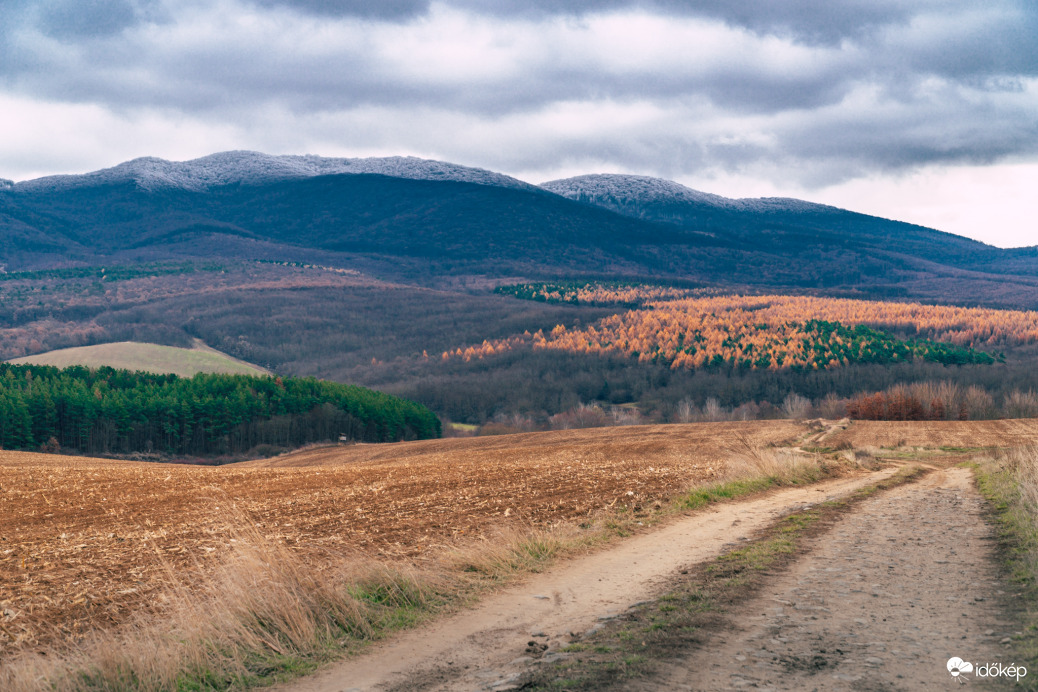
485	647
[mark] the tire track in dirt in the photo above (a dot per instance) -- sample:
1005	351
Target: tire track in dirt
882	602
484	647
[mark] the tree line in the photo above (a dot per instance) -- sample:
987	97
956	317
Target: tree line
105	410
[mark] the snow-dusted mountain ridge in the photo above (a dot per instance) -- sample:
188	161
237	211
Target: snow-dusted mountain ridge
252	168
632	195
627	193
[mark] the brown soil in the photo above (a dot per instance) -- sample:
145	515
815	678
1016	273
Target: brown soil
882	600
490	645
84	542
937	434
902	584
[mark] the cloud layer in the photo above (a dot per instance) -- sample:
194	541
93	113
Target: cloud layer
809	92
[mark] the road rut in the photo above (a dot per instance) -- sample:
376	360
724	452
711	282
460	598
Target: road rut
900	585
478	648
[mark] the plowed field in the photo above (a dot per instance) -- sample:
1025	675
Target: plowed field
937	434
83	542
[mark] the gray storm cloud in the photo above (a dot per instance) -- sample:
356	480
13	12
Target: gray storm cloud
828	89
380	9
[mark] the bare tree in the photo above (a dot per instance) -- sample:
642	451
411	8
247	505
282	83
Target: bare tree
796	406
686	411
832	407
713	411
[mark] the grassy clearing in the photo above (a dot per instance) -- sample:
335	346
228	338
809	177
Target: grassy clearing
1008	479
131	355
687	615
271	614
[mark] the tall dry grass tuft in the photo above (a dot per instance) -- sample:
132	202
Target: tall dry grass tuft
1023	463
264	612
1009	478
512	550
1009	481
782	466
752	469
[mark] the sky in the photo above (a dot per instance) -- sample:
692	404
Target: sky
923	111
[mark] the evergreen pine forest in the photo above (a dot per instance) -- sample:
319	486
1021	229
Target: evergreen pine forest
106	410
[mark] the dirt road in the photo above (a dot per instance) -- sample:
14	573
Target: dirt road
485	648
906	581
885	599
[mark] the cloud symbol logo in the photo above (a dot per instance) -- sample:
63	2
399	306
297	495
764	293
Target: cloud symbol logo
956	666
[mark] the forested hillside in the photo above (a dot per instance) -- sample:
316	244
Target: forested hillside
115	411
337	324
453	223
766	332
640	296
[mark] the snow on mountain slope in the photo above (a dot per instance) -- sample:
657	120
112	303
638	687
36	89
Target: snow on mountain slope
625	193
252	168
631	195
629	189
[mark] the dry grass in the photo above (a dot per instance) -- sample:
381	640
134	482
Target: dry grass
752	469
264	614
269	614
514	550
1009	480
782	466
268	611
132	355
1023	462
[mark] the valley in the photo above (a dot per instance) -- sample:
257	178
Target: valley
634	378
368	271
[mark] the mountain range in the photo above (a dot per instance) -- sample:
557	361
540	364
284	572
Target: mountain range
428	222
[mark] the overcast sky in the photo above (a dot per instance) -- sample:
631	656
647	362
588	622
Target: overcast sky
923	111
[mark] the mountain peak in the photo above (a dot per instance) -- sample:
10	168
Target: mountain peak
622	189
647	197
254	168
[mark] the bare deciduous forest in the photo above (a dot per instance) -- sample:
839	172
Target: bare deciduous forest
306	320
